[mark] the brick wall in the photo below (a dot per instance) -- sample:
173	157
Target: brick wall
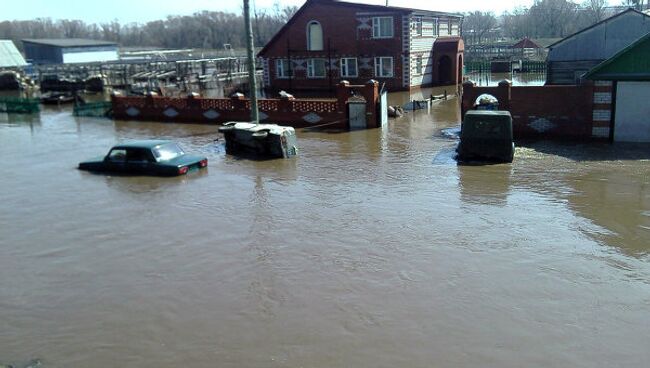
298	113
554	112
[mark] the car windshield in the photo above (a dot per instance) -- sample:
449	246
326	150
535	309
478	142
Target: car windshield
167	151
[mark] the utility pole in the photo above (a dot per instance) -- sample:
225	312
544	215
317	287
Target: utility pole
255	118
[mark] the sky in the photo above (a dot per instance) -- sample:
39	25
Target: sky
141	11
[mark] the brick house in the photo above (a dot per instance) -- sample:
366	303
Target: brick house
327	41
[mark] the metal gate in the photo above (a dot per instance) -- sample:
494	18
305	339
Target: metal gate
631	123
383	108
357	113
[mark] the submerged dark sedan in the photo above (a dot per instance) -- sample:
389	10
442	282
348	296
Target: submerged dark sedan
152	157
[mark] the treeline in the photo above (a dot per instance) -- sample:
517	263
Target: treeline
206	29
544	19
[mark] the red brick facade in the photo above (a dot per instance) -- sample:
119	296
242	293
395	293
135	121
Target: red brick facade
347	32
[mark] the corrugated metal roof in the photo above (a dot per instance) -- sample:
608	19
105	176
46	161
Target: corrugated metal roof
624	12
10	57
68	42
631	63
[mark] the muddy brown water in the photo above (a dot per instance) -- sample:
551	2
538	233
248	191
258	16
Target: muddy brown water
370	249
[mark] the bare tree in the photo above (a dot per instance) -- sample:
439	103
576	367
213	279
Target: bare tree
201	30
595	9
477	25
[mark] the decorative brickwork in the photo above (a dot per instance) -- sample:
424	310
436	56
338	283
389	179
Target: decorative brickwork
554	112
286	111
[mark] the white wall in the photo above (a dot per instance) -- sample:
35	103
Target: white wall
89	57
632	116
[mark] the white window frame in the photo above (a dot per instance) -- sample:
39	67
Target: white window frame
280	71
418	26
379	64
377	31
310	46
311	69
344	68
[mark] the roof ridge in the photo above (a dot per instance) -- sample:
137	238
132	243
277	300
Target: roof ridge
597	24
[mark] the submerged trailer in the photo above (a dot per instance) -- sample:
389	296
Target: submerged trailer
260	140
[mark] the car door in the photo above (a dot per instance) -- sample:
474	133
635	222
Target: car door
116	160
139	161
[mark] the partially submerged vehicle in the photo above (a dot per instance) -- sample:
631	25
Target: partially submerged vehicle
486	135
57	98
147	157
10	81
260	140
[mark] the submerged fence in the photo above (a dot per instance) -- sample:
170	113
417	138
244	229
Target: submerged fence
18	105
101	109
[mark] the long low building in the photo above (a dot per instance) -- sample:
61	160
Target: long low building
69	50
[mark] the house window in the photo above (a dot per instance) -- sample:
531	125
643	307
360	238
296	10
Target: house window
316	68
349	67
282	68
418	26
418	65
435	27
382	27
314	36
384	66
449	27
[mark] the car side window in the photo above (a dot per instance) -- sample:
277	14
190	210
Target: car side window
138	155
117	155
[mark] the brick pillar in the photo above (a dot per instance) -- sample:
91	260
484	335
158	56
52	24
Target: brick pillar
504	91
239	103
285	104
371	94
602	109
469	95
342	95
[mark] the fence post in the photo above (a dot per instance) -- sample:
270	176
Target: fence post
342	95
371	94
239	102
504	94
467	101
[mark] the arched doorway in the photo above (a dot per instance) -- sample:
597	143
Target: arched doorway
444	70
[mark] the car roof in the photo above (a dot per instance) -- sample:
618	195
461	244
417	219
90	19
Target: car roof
142	144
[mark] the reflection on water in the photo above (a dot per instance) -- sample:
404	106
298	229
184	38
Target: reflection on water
621	209
485	184
370	249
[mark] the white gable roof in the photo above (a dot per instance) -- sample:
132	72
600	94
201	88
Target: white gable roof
10	57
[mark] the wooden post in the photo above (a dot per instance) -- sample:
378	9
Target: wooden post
251	63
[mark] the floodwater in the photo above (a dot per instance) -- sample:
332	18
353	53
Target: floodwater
370	249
